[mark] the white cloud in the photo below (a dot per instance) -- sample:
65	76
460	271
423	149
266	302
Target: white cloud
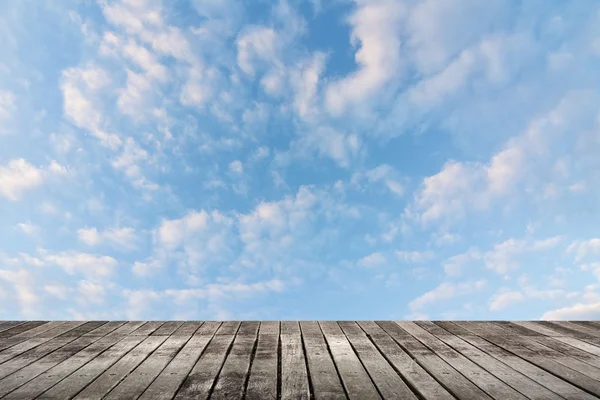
147	268
503	258
375	25
82	263
504	299
585	248
7	108
122	237
329	142
305	84
17	177
91	292
57	290
372	260
236	167
384	174
577	312
129	162
28	228
256	44
455	265
445	291
22	281
415	256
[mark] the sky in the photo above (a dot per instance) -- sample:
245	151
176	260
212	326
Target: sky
300	159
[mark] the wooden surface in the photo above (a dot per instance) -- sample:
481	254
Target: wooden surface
300	360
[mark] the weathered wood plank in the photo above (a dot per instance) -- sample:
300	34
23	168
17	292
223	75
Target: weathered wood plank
262	382
232	378
518	381
536	354
541	376
6	325
104	383
23	347
78	380
147	328
55	374
188	328
322	372
105	329
574	328
85	328
170	379
167	328
387	380
456	383
355	378
203	375
140	378
418	378
293	374
20	328
10	341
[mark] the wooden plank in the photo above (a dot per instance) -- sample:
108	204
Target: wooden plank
6	325
541	376
105	329
110	378
502	371
126	329
539	355
387	380
188	328
147	328
11	341
293	375
137	381
170	379
323	375
29	344
79	379
418	378
233	376
203	375
451	379
20	328
262	383
19	378
84	328
355	378
46	380
574	329
167	328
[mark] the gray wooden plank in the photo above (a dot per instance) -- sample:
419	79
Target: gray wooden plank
232	378
580	344
127	328
355	378
80	378
502	371
20	328
322	372
293	375
52	376
167	328
541	376
419	379
84	328
187	328
11	341
486	381
139	379
24	375
6	325
105	329
262	381
170	379
388	381
551	361
574	329
451	379
32	343
147	328
199	382
110	378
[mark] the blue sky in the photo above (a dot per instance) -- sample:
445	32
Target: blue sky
367	159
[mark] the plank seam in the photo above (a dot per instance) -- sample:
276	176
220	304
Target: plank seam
216	379
279	355
311	390
333	361
252	355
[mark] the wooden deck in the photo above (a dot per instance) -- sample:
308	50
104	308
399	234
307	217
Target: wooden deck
299	360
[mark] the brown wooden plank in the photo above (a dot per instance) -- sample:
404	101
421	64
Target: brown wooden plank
80	378
545	358
355	378
232	378
170	379
42	338
452	380
293	375
417	377
147	328
167	328
137	381
203	375
262	382
56	373
541	376
323	375
387	380
510	376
